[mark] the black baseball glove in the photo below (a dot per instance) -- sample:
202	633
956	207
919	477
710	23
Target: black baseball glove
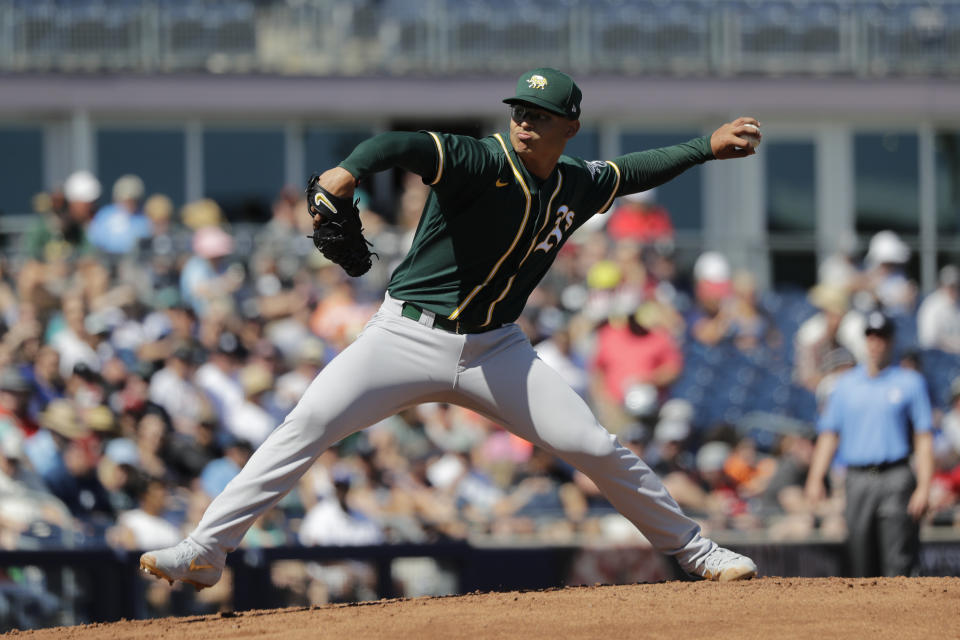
340	236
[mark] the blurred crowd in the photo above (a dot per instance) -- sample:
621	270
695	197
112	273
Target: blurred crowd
146	351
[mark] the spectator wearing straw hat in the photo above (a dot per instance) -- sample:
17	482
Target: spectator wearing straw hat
164	231
834	326
248	420
201	213
207	276
59	424
67	463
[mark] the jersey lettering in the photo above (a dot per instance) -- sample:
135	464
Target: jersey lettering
564	222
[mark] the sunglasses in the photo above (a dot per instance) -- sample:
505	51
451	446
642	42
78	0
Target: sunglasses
521	113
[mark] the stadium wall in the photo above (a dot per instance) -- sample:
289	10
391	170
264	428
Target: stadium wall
827	128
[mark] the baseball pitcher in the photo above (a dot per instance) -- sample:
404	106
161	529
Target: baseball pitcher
499	210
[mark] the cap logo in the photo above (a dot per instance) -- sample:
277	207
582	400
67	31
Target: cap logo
537	82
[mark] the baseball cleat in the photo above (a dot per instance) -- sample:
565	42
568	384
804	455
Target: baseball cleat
723	565
184	562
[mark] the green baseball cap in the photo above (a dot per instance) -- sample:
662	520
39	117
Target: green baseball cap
551	90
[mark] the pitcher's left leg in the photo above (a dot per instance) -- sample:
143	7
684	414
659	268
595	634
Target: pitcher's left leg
511	385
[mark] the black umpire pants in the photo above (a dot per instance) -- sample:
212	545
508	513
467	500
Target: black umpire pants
882	538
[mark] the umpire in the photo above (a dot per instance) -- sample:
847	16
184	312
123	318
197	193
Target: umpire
870	417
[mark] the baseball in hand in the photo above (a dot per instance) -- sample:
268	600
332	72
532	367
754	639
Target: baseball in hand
752	138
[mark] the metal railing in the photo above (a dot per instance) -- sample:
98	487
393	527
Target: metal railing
369	37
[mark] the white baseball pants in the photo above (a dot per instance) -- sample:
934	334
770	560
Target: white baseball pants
397	363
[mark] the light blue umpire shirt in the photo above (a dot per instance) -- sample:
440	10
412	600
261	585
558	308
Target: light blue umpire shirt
873	416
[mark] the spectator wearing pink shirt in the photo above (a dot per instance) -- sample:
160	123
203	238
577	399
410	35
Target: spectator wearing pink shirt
632	351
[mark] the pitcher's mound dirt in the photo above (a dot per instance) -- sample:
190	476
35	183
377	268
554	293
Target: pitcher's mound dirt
900	608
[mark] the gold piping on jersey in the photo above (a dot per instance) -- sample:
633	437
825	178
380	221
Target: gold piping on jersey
436	140
546	219
516	239
615	187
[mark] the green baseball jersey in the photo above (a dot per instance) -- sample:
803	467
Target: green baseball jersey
490	230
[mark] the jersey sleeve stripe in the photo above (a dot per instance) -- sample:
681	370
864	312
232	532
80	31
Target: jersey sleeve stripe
616	187
436	140
516	239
